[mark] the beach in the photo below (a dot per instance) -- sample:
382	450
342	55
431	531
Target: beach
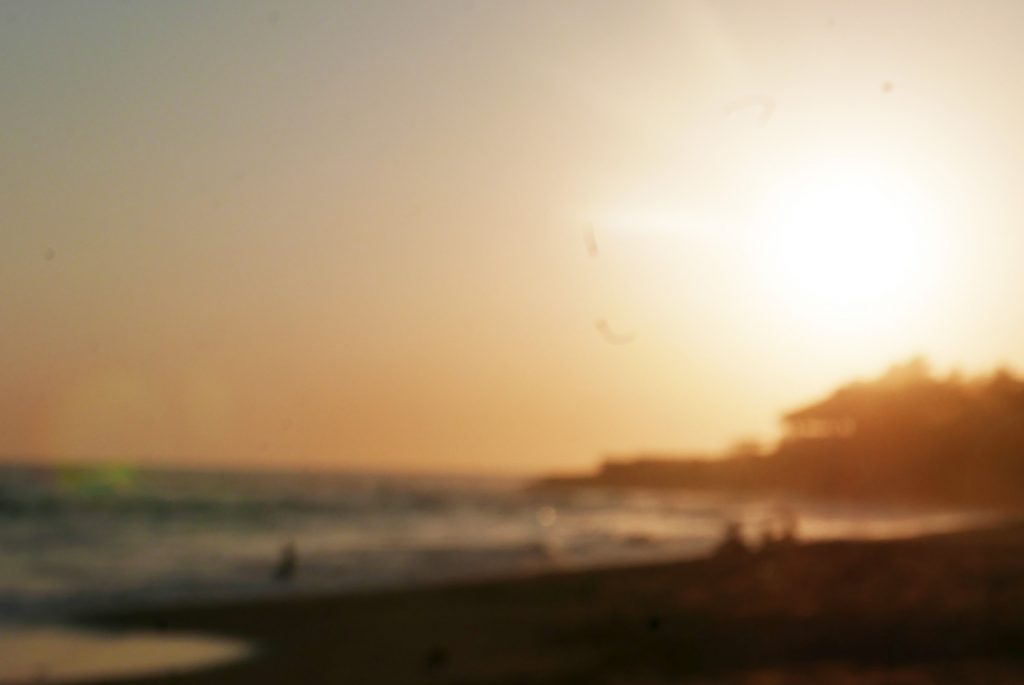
945	608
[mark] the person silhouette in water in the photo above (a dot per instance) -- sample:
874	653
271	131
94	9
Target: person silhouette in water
287	563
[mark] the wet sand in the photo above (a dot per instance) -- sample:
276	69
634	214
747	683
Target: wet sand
939	609
37	654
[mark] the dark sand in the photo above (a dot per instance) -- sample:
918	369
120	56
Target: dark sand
941	609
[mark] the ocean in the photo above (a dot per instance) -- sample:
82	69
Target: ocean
77	539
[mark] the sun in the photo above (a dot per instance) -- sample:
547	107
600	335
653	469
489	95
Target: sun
848	248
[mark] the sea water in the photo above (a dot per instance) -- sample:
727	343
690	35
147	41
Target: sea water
77	540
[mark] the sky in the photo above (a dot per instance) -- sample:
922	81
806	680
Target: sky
496	237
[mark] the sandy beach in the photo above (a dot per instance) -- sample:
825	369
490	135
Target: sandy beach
938	609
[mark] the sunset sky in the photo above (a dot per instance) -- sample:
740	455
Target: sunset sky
355	235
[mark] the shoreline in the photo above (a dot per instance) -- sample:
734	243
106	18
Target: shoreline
933	606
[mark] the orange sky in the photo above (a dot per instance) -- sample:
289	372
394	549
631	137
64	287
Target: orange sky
353	236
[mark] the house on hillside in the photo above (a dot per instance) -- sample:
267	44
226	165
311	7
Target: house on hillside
906	393
833	417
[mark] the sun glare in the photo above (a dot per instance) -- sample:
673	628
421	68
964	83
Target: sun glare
848	249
